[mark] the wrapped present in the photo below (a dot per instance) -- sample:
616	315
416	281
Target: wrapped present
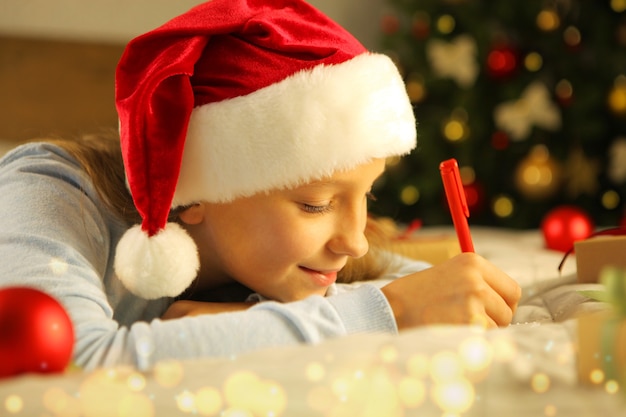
407	241
594	254
602	336
602	348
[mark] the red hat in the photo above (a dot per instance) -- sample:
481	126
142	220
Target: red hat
237	97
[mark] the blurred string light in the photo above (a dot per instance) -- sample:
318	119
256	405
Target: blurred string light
409	195
14	404
572	36
616	99
564	91
503	206
540	383
456	127
548	20
446	24
610	200
618	5
533	61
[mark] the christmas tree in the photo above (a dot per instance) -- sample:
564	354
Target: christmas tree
528	96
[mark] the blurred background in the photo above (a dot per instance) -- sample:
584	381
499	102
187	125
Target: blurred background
528	96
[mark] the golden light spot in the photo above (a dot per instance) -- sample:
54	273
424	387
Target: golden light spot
540	383
618	5
409	195
446	365
533	62
13	404
269	399
106	393
454	130
238	388
610	200
564	90
504	349
611	386
186	401
415	89
208	401
388	354
340	388
315	372
550	410
468	175
377	394
617	96
168	373
476	354
596	376
503	206
455	396
418	365
446	24
244	390
136	382
548	20
411	392
572	36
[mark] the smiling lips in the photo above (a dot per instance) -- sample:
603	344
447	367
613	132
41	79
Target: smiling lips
323	279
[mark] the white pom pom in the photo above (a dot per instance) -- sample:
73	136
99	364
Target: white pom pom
163	265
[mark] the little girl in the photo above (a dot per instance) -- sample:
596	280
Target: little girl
251	134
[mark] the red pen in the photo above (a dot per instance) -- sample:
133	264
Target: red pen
457	202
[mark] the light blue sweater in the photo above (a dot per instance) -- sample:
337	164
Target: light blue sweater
56	235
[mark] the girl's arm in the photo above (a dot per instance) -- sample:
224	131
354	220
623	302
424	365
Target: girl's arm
55	235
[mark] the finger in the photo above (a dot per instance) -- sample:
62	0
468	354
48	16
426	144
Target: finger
497	309
479	316
502	283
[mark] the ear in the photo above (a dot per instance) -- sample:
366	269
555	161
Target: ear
193	214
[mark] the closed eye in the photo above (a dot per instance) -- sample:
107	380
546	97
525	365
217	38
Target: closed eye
317	209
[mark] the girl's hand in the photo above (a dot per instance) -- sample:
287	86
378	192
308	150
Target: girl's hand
466	289
184	308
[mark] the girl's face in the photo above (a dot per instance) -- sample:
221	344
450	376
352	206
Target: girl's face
287	244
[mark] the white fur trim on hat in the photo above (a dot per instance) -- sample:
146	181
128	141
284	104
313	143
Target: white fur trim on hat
303	128
159	266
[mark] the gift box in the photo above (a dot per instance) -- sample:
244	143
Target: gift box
601	348
602	336
593	254
431	248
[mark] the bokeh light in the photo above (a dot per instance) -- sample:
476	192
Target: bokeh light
14	404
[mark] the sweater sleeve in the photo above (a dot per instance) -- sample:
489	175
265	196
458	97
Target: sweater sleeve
55	235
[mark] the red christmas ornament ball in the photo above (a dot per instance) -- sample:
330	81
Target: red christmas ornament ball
37	335
502	61
564	225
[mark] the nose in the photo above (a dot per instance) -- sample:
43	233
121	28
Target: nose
349	237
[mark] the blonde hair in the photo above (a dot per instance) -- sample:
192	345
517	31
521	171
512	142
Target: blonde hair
101	157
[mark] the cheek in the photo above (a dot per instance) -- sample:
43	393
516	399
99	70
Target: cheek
279	246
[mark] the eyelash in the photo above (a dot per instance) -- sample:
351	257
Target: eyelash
329	207
317	209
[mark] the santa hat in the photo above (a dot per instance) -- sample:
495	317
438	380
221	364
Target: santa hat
237	97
